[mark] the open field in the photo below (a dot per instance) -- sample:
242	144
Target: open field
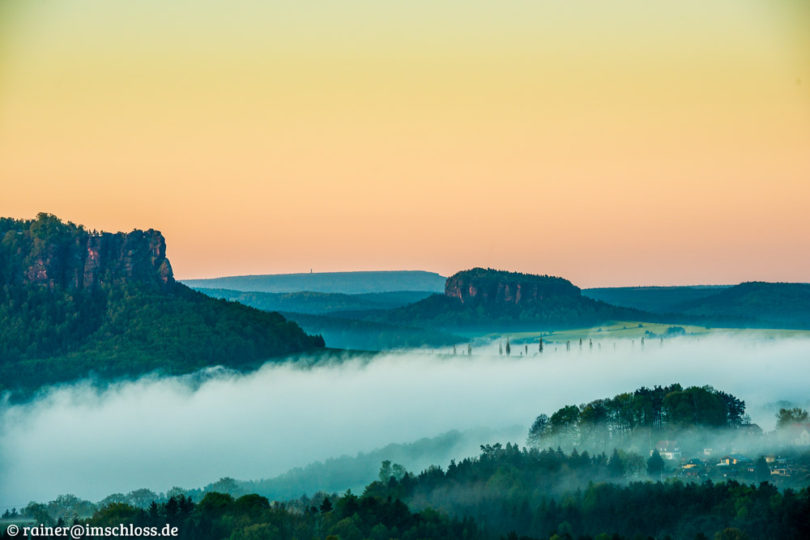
637	330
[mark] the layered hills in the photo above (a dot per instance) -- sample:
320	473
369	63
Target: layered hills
328	282
755	304
75	302
499	299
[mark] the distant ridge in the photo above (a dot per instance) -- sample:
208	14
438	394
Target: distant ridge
755	304
655	299
328	282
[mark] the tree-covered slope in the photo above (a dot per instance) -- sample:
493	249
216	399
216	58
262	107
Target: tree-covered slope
652	299
318	303
75	302
755	303
486	298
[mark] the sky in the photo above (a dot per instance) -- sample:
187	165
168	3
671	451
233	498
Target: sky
620	142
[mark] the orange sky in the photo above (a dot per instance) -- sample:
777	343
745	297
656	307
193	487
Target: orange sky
611	142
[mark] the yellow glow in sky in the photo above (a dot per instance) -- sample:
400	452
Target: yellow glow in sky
611	142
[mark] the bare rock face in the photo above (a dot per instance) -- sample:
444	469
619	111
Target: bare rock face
488	287
49	252
139	255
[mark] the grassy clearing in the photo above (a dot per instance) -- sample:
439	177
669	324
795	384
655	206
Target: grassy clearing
637	330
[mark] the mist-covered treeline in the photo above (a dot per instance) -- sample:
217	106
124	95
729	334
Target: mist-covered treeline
506	492
699	415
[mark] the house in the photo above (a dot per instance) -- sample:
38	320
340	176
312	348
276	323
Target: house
693	468
734	459
668	450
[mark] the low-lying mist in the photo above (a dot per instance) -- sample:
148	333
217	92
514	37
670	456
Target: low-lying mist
159	432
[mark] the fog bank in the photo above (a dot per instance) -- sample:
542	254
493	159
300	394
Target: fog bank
189	431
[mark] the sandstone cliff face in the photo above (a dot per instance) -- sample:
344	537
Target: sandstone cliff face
139	255
63	256
491	287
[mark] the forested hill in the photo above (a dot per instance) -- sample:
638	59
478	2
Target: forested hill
756	304
498	299
749	304
653	299
74	302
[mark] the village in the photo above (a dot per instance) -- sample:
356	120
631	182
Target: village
787	467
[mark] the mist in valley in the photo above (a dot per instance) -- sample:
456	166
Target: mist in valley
159	432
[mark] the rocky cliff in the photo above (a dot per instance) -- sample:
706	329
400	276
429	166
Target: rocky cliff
494	287
75	302
489	300
49	252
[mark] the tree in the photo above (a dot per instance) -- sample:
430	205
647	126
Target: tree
538	429
762	472
326	505
616	465
731	533
385	471
564	424
655	465
786	417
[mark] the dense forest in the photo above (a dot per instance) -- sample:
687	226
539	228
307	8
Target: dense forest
637	419
74	302
755	304
505	493
510	492
318	303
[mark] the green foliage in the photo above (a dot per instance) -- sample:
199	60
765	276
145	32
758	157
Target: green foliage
655	464
219	516
652	299
505	492
658	410
318	303
787	417
755	304
54	327
348	333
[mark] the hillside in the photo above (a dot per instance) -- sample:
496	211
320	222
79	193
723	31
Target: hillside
494	299
75	302
653	299
369	335
318	303
755	304
328	282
